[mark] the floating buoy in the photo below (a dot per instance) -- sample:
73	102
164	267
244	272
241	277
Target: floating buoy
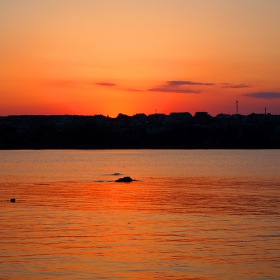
12	200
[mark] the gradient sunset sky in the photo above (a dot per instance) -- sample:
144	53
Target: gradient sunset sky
91	57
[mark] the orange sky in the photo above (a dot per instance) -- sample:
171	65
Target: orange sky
128	56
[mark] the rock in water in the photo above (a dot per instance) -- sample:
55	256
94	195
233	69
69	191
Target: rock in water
125	179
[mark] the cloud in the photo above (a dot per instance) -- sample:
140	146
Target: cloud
175	90
78	84
133	89
188	83
228	85
264	95
180	87
105	84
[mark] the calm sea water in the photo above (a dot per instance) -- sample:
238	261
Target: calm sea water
191	214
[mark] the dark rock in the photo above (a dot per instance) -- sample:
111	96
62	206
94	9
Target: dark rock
13	200
125	179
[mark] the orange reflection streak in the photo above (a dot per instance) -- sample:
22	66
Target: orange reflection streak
180	227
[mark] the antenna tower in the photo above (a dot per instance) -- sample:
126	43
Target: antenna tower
237	107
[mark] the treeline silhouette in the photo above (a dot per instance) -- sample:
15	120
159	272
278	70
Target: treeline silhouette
174	131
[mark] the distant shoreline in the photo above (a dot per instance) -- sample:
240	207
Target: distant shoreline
157	131
141	148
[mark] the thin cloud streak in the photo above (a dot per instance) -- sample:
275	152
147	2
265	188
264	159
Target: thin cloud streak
78	84
188	83
180	87
263	95
133	89
228	85
174	90
106	84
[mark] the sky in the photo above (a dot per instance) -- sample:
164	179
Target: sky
89	57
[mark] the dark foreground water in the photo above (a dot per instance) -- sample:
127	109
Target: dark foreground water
190	215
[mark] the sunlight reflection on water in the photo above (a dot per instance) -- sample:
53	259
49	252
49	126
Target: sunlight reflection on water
160	227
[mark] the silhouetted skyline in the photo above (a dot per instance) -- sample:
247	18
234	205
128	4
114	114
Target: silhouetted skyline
177	130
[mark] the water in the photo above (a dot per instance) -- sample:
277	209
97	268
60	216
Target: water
191	214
